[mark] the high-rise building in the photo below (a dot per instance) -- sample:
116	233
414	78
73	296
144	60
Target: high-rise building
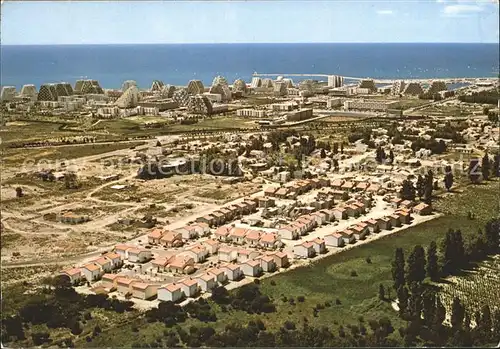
64	89
307	85
88	87
167	91
8	93
413	88
181	96
369	84
29	91
219	80
398	87
335	81
288	82
47	92
256	82
157	85
267	83
127	84
223	90
437	86
195	87
280	88
129	98
199	104
240	86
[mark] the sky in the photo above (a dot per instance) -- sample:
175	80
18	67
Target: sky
132	22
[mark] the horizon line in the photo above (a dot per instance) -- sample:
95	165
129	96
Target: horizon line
252	43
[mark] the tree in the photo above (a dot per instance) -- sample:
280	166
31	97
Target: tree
391	156
496	166
420	186
335	148
381	292
403	297
19	192
70	180
474	171
429	307
407	191
457	314
485	325
380	155
432	261
496	321
428	187
398	269
486	166
448	178
416	265
492	237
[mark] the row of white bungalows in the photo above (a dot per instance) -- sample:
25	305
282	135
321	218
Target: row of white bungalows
251	237
95	269
167	238
372	226
309	249
228	254
306	223
352	186
226	214
133	254
178	264
128	286
176	238
292	189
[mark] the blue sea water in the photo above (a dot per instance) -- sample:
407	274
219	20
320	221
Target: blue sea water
177	64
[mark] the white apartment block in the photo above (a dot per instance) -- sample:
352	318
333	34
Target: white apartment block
251	113
283	106
8	93
360	104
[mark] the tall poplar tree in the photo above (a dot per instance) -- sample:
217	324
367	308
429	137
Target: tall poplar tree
398	268
432	262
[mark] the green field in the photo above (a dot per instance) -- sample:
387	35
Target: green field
134	127
36	130
12	156
330	279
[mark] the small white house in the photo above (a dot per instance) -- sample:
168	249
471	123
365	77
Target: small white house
304	250
267	263
334	239
289	232
233	271
251	268
189	287
226	254
137	255
206	282
74	274
115	258
198	253
171	292
319	246
219	275
91	271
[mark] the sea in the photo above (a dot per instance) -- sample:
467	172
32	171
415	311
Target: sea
176	64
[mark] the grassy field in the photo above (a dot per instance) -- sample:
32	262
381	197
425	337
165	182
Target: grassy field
327	280
14	156
35	130
134	127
